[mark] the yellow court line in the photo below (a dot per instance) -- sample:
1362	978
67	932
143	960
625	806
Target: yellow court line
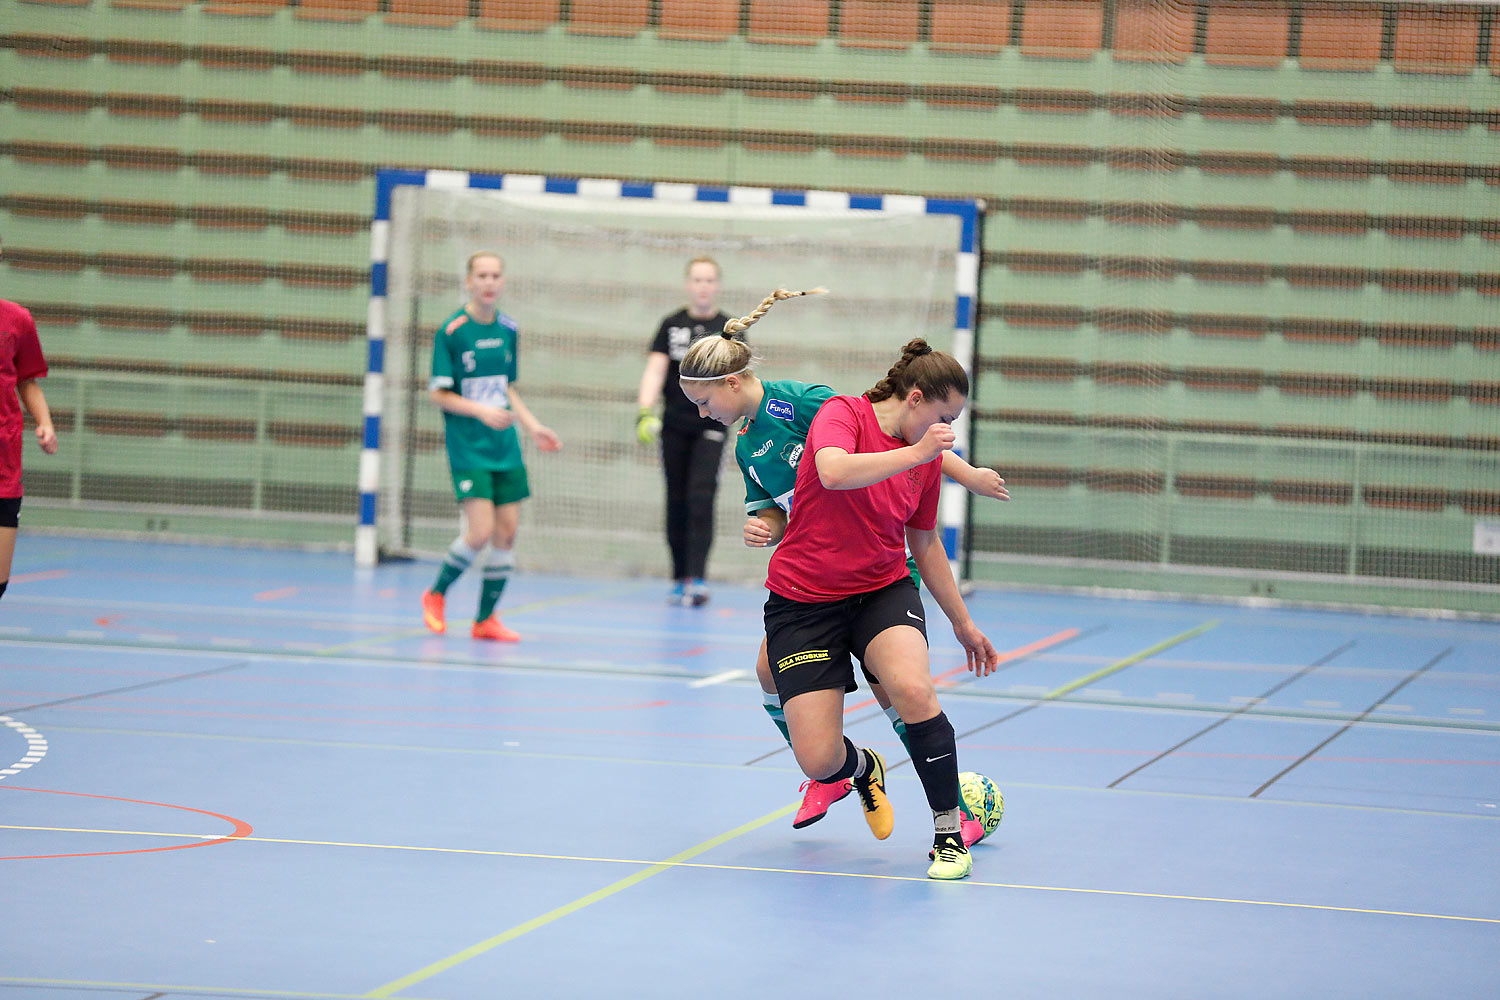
1131	660
680	861
676	860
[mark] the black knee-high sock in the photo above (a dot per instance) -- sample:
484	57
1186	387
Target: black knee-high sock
935	756
853	760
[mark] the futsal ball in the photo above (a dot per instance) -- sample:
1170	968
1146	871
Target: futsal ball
983	799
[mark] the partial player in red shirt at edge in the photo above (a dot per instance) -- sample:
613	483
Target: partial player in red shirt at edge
840	589
21	365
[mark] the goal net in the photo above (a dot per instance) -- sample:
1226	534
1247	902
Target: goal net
591	269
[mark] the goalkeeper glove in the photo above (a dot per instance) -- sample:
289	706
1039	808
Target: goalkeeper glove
647	426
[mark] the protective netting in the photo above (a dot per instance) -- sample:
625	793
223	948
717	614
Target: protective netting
589	280
1238	278
1234	358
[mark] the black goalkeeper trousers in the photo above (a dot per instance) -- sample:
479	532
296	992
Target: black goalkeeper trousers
690	460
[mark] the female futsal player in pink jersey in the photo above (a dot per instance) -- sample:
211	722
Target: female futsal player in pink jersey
21	365
840	589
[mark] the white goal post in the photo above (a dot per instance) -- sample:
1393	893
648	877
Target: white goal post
591	267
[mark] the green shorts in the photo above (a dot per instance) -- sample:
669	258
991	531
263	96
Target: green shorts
498	486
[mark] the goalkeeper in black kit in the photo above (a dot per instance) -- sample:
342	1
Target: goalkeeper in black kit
691	446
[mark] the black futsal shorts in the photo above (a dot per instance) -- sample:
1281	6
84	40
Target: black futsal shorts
810	645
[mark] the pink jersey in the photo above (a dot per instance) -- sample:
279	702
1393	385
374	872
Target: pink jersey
20	359
844	542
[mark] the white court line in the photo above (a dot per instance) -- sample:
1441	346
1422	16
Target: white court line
719	678
36	746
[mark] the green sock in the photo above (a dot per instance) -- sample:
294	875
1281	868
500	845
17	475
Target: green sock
899	727
496	573
459	558
773	709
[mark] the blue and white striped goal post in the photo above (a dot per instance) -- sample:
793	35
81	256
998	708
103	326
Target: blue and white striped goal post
966	289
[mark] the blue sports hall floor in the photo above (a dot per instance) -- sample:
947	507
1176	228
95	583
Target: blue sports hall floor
240	773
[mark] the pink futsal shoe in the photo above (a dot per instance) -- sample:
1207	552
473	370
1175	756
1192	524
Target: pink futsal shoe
491	628
432	611
971	830
816	799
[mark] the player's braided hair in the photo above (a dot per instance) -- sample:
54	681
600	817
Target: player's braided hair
746	322
714	358
935	373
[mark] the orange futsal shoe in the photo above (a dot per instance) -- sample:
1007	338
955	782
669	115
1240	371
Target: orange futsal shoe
432	611
491	628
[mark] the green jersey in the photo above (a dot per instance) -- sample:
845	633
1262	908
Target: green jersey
770	444
477	361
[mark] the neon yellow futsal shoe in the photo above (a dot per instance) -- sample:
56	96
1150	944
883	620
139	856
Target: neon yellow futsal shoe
871	789
950	858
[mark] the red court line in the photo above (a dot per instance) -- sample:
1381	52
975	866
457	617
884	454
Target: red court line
46	574
241	828
276	595
145	704
1005	657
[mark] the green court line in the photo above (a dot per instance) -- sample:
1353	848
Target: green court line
395	986
206	991
519	609
445	661
375	640
1134	658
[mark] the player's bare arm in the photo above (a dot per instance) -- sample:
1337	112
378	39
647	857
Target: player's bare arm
546	439
36	404
980	482
765	528
490	416
839	470
932	562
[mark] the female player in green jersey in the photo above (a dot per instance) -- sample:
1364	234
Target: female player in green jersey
473	383
717	376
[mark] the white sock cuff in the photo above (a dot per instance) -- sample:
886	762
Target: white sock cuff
500	559
894	716
772	699
460	550
946	823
